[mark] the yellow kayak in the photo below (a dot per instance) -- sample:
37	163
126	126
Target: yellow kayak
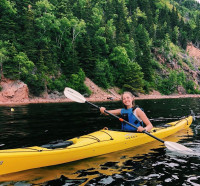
94	144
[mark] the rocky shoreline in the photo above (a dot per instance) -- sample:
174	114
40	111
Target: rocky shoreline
97	99
17	93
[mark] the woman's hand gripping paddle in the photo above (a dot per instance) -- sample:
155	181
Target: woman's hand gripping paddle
77	97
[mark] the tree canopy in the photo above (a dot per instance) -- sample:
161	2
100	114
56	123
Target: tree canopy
50	44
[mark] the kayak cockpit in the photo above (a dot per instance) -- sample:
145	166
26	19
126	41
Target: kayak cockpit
57	144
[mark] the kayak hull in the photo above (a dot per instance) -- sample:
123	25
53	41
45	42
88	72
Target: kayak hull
94	144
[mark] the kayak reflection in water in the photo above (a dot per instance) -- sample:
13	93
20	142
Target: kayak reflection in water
132	114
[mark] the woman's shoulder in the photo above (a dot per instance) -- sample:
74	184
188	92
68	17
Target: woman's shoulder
136	107
138	110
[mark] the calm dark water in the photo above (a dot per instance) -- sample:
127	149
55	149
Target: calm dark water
150	164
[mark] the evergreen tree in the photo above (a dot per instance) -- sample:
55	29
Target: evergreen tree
183	39
110	34
143	51
133	80
86	59
64	9
196	39
127	73
8	22
174	19
29	33
3	56
11	68
175	35
121	21
103	75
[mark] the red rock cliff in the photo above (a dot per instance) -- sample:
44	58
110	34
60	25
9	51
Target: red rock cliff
13	91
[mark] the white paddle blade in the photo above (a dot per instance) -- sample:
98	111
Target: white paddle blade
176	147
74	95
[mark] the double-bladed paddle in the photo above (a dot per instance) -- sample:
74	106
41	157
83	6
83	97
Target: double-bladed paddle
77	97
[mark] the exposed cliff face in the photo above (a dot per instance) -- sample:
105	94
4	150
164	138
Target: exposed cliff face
99	94
190	63
13	91
194	52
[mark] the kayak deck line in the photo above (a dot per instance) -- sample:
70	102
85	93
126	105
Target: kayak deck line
95	138
32	149
178	122
86	146
172	124
111	138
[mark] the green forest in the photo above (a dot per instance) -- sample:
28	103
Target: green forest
136	45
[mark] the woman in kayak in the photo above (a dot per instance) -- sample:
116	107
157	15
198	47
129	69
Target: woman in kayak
132	114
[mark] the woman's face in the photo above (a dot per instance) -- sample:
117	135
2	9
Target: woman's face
127	100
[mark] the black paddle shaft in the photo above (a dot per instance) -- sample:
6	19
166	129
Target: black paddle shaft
126	122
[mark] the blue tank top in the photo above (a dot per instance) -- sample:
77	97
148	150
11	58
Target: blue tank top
127	114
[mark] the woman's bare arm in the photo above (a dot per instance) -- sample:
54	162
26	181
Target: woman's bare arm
115	112
145	119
